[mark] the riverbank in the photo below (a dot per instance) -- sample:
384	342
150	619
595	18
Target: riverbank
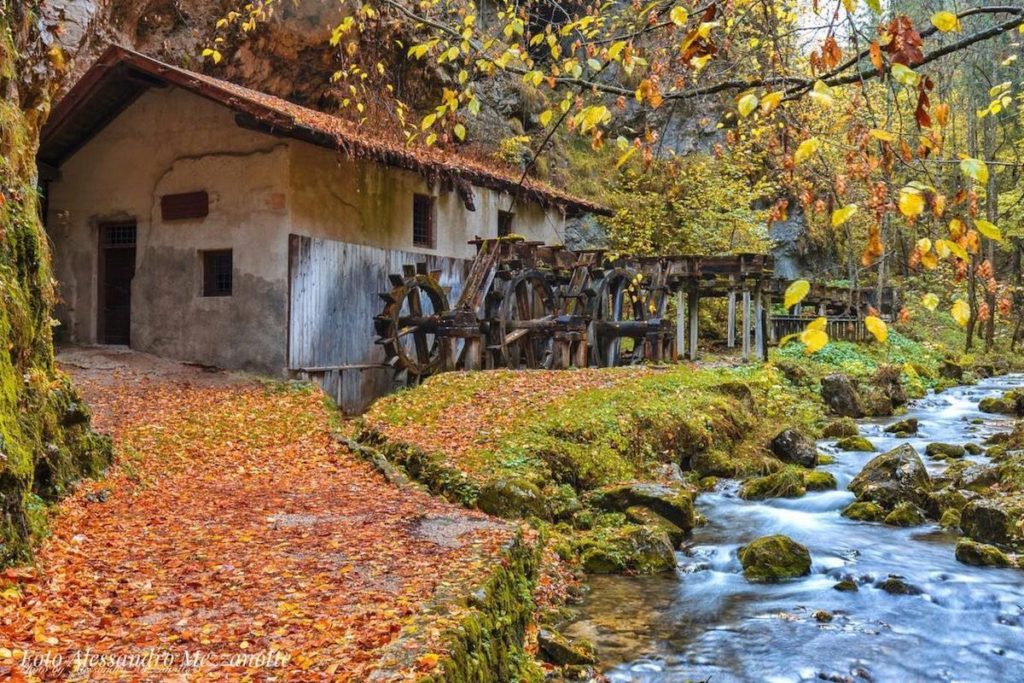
234	538
607	463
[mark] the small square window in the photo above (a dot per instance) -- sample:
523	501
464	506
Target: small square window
217	272
423	221
505	219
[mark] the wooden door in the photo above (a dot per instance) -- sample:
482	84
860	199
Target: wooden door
116	270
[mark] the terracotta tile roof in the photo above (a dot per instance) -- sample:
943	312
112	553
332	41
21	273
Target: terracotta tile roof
121	75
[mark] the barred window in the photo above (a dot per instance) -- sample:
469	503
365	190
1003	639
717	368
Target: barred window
505	219
217	272
423	221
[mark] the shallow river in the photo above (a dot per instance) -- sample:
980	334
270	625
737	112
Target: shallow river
707	621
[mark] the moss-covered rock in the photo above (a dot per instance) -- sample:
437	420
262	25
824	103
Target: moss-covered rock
950	369
973	448
905	514
511	498
631	548
903	427
950	519
855	443
561	651
846	586
864	512
837	429
819	481
892	478
840	394
774	558
792	446
897	585
651	519
980	554
673	502
786	483
996	520
938	449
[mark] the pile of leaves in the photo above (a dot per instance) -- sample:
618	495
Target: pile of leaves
235	525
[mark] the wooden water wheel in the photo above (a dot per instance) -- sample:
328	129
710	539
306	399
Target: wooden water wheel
523	320
407	327
617	314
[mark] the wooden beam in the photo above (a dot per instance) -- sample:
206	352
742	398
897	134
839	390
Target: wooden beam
731	323
746	325
680	324
693	314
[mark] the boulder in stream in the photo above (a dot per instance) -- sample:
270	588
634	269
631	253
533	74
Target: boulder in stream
511	498
791	446
892	478
905	514
903	427
937	449
786	483
561	651
855	443
896	585
995	520
864	511
631	548
774	558
980	554
673	502
841	396
837	429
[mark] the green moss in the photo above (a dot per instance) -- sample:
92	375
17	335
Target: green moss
950	519
628	548
843	427
773	558
864	512
944	450
905	514
819	481
786	483
44	428
855	443
980	554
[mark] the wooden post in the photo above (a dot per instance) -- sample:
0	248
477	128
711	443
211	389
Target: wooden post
766	308
746	325
771	335
693	323
731	333
680	324
759	341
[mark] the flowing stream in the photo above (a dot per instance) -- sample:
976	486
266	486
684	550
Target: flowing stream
708	622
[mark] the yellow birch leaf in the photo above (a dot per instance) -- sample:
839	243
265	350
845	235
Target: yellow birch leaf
880	134
819	323
806	149
942	248
988	230
946	21
678	15
877	327
974	168
930	301
770	102
747	104
911	202
814	340
961	312
924	245
796	292
840	216
905	75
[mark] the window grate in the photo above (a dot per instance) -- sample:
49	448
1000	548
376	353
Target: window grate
505	219
218	269
423	221
119	234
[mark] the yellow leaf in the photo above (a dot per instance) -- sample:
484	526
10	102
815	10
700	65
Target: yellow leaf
460	131
545	117
929	261
429	660
5	653
795	293
961	312
625	157
806	149
988	230
850	5
814	340
911	202
946	21
819	323
930	301
942	248
974	168
428	121
924	245
771	101
880	134
678	15
905	75
747	104
822	94
840	216
957	250
877	327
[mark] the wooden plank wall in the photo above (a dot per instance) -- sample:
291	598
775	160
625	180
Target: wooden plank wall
333	298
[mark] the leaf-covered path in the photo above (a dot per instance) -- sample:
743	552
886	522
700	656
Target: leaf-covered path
232	526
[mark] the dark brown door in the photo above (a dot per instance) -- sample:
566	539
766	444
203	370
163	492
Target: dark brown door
117	268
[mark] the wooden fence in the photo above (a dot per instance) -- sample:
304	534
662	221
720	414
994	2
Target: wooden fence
333	297
847	328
